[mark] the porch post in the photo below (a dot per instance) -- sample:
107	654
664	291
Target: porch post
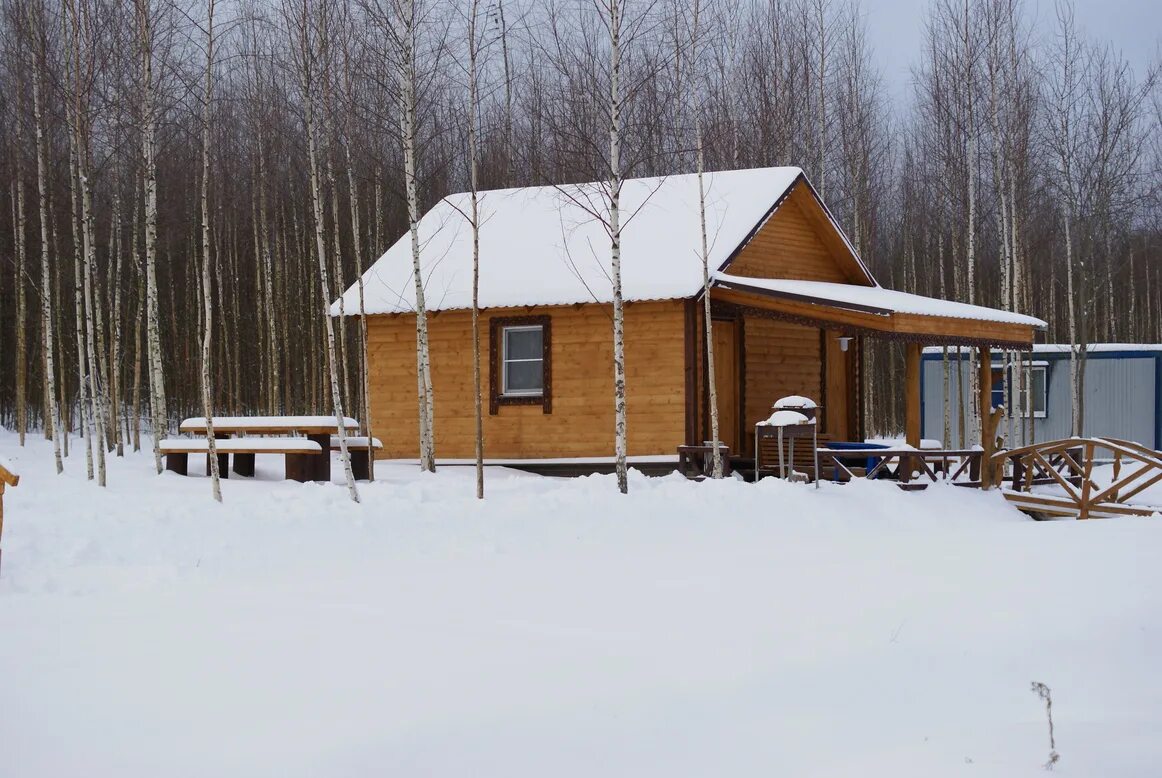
912	394
985	384
987	426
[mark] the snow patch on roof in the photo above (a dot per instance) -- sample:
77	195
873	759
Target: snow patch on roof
549	245
878	298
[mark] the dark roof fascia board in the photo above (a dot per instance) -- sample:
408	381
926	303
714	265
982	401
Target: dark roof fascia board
803	298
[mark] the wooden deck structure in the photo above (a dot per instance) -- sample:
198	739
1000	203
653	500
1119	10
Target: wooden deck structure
1066	466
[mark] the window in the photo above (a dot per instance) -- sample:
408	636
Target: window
522	356
520	352
1035	396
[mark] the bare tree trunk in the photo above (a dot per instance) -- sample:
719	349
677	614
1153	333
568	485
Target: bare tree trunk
308	55
507	92
46	306
115	332
157	399
208	259
695	88
615	180
473	151
1074	372
19	226
407	85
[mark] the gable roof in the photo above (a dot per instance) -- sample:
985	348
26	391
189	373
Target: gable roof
548	245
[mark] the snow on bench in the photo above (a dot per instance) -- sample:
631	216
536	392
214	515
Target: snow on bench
267	424
356	441
302	455
240	446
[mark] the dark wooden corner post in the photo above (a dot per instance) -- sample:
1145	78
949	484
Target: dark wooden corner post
911	408
989	419
912	395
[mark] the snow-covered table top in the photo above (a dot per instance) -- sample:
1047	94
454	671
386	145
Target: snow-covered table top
310	425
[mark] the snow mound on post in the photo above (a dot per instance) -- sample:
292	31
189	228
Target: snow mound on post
785	419
549	245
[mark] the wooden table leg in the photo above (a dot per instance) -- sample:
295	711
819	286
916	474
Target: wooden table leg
359	463
177	462
300	467
244	464
322	463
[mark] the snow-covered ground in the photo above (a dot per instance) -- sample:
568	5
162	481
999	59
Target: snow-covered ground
559	629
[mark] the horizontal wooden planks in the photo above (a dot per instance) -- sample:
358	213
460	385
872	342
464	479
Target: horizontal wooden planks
581	422
781	359
790	245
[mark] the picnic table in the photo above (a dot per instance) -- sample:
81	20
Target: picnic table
315	428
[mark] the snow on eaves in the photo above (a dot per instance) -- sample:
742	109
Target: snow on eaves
1064	348
549	245
877	297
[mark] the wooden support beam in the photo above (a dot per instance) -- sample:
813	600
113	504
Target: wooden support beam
912	394
988	427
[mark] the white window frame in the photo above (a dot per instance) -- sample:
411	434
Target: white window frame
1044	368
1010	388
504	361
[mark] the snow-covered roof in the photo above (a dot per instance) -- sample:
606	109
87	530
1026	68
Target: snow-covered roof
876	299
548	245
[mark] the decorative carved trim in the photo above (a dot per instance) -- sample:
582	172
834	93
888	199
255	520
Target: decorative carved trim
496	325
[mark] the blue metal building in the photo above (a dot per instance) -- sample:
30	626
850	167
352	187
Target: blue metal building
1123	392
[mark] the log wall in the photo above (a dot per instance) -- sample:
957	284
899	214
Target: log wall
581	421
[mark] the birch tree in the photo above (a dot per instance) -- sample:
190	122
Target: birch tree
144	15
695	89
208	256
310	52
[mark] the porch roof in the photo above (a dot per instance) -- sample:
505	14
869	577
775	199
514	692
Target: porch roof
877	311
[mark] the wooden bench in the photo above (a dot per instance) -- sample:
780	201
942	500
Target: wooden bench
360	449
300	454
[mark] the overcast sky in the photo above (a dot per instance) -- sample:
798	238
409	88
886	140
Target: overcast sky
896	30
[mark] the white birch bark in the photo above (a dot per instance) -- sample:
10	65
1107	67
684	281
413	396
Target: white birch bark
407	118
308	54
473	177
207	260
615	179
46	307
156	369
20	225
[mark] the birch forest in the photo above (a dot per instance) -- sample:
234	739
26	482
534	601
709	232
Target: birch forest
185	186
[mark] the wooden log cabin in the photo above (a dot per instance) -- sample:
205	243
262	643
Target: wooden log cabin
791	306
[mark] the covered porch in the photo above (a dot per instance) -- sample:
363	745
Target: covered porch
776	337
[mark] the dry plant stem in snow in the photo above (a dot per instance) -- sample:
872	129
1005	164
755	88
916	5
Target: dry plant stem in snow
1043	691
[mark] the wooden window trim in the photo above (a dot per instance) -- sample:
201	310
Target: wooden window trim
496	327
